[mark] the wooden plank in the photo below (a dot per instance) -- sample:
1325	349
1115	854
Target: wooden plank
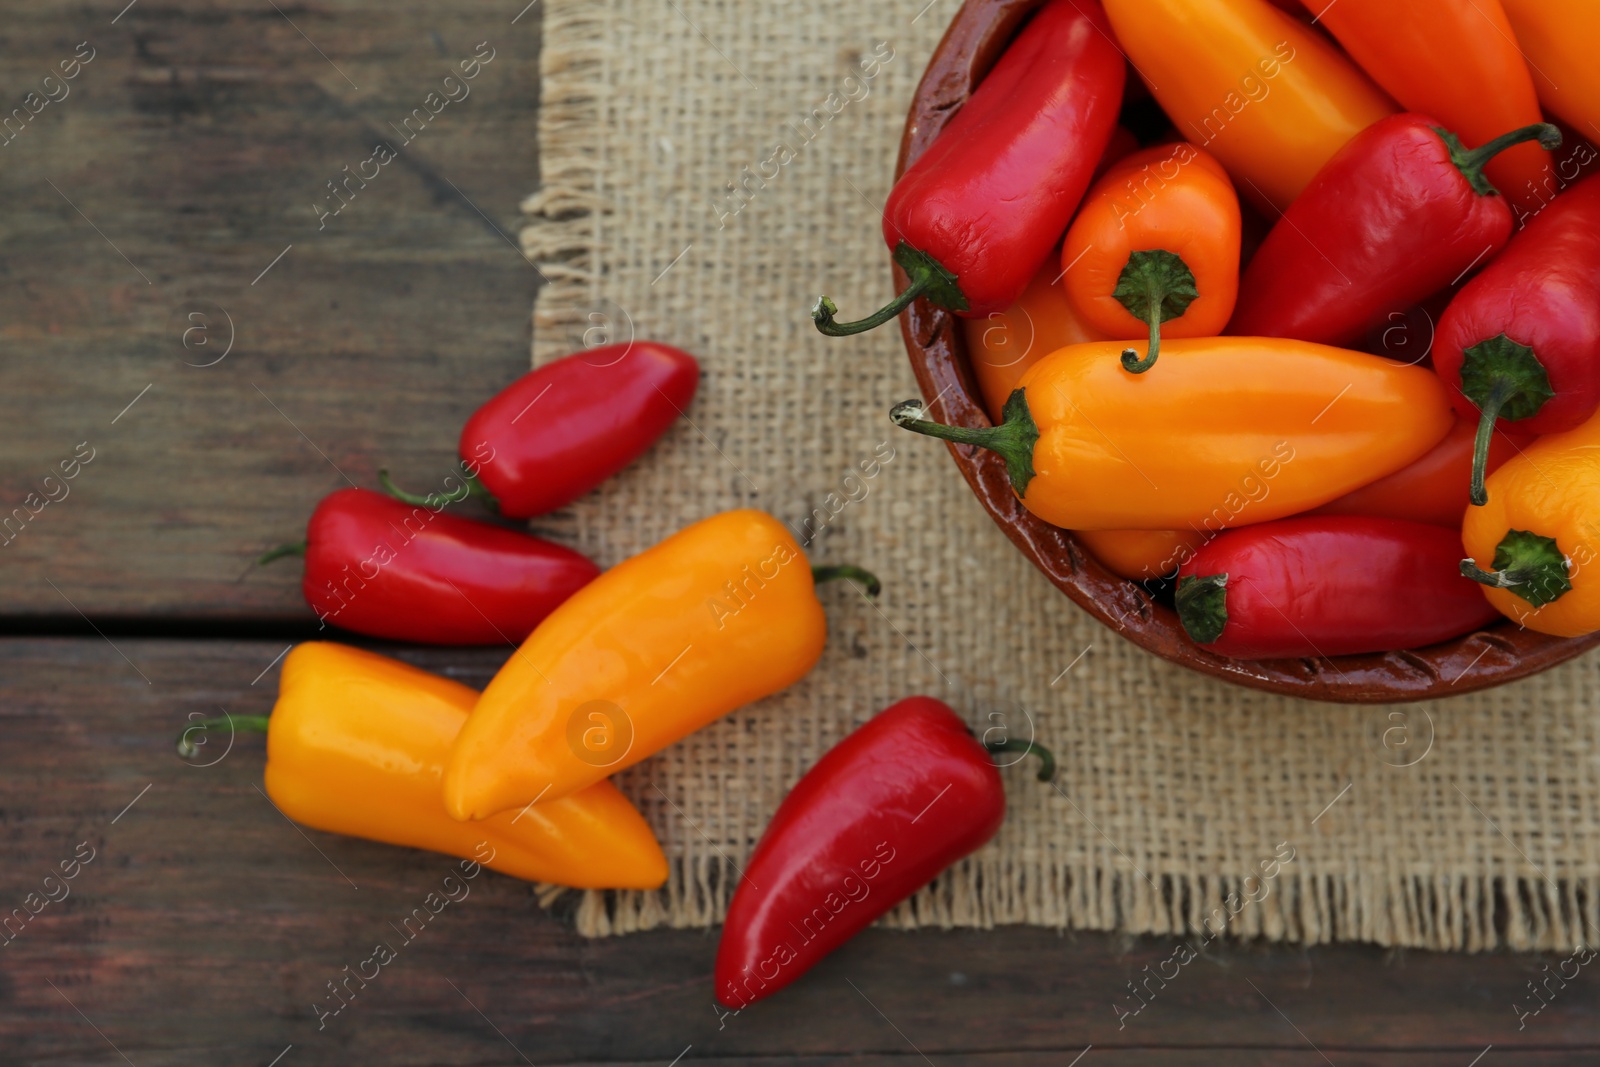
206	927
184	158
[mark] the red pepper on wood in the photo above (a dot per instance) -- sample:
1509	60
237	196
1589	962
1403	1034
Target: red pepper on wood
878	816
560	430
1399	213
1328	586
1521	341
390	569
972	220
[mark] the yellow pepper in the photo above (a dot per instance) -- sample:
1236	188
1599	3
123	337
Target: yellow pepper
718	615
1233	431
1250	84
357	744
1536	544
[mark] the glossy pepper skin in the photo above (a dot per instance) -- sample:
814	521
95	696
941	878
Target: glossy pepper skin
1002	345
1141	555
1255	87
1434	489
1397	215
1521	341
875	819
1558	38
408	572
971	221
1155	249
1456	60
1535	546
1233	431
357	744
720	614
560	430
1327	586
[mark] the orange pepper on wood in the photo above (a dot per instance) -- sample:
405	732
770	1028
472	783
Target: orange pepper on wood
1155	249
1234	431
357	745
1255	87
1456	61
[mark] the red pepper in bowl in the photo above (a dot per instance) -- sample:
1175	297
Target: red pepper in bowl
971	221
560	430
1333	585
389	569
1397	214
1521	341
878	816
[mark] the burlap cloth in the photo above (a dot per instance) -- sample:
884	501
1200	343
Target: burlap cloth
1463	824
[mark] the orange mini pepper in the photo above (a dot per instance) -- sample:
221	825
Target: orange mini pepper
357	743
1558	37
1142	555
1002	345
1458	62
1255	87
1156	241
1233	431
1535	545
716	616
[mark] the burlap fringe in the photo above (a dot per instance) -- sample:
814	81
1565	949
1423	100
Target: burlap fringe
1435	913
565	234
566	237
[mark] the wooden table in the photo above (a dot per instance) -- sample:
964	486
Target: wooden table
166	205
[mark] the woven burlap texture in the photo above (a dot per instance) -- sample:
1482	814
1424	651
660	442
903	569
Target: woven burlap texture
1464	824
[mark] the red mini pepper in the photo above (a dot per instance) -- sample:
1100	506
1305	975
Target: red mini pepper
1402	211
973	219
1330	585
1521	341
1434	489
390	569
878	816
560	430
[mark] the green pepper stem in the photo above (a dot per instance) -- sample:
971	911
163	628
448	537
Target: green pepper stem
1489	414
1530	565
433	501
1130	357
928	278
1471	162
1047	759
249	723
1493	579
294	548
850	571
1012	440
824	311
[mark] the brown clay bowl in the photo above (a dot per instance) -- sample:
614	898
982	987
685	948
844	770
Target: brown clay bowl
1489	657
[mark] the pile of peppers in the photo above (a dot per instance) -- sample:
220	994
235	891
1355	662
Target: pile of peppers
1178	327
608	668
1183	338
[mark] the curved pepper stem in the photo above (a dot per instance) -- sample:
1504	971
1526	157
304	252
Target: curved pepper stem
1155	286
470	486
1013	439
256	724
928	278
1507	381
1530	565
1471	162
1047	759
846	570
294	548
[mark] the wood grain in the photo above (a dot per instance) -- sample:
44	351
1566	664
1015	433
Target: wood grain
207	926
197	142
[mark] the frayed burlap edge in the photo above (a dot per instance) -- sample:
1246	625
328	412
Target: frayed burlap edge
565	236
